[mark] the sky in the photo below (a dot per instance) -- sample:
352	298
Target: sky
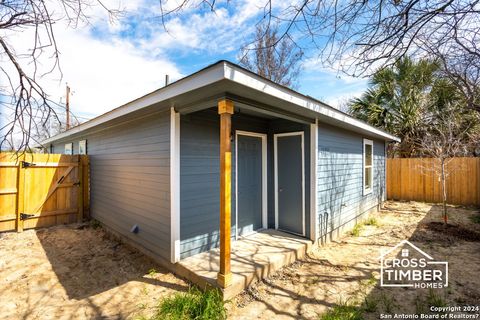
109	63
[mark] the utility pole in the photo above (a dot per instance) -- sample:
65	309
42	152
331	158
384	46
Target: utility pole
67	107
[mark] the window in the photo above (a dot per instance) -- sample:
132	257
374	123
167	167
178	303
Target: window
68	148
367	166
82	147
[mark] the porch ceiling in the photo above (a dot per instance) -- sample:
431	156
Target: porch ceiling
245	100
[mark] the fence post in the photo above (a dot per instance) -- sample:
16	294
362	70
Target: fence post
20	193
80	189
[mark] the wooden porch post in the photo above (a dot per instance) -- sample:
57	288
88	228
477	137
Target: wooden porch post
225	110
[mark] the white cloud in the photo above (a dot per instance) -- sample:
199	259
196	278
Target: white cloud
105	75
102	74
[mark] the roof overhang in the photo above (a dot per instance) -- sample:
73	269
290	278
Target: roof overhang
204	88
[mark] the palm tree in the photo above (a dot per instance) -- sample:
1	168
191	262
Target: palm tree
399	100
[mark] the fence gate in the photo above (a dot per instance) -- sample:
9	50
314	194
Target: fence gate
41	190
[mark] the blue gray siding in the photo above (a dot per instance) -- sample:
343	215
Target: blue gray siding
200	177
199	174
130	179
199	182
340	176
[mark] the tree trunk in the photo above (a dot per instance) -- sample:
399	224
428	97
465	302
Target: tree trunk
444	193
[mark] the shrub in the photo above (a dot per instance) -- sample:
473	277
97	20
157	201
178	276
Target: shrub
475	218
95	224
388	303
343	311
193	304
370	304
372	221
435	300
356	230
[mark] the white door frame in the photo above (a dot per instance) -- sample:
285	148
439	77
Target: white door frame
275	138
263	136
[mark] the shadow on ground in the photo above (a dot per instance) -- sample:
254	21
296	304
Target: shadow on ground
76	271
347	271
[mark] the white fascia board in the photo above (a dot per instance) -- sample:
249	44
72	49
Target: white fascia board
214	73
195	81
245	78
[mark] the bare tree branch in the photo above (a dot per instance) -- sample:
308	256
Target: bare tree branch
358	37
31	106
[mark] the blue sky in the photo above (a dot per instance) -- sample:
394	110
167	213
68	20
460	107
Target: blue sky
108	64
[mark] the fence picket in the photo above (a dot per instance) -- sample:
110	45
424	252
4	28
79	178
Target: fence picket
412	179
35	190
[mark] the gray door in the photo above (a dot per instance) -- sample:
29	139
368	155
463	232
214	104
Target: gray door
289	183
249	184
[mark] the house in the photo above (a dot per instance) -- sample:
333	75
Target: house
172	171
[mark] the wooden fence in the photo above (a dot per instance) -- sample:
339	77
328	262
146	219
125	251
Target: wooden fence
41	190
413	179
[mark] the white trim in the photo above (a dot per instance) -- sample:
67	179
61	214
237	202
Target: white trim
226	71
174	186
263	136
254	81
275	138
204	77
314	235
84	142
385	158
69	148
365	190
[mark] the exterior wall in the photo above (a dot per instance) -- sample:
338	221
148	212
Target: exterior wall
130	179
340	177
200	175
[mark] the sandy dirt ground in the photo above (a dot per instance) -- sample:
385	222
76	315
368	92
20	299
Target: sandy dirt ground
347	271
77	272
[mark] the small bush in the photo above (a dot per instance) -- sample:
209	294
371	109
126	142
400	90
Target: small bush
370	304
372	221
388	303
357	229
152	272
475	218
420	307
435	300
343	311
95	224
193	304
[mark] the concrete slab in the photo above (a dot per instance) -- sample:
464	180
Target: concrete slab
253	258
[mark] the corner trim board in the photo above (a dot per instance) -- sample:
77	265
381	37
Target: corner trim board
314	235
174	186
